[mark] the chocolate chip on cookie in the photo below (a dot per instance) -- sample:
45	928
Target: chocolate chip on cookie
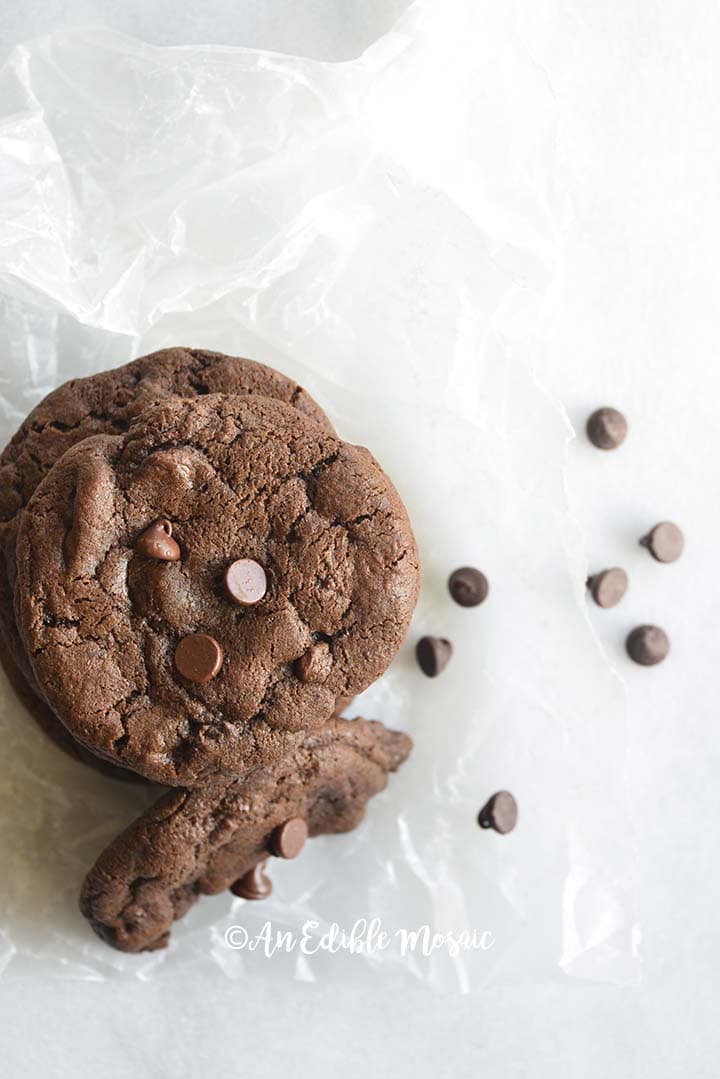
245	582
201	842
101	623
254	884
198	657
289	839
314	666
157	542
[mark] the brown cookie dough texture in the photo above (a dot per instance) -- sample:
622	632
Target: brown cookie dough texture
107	403
48	722
238	478
200	842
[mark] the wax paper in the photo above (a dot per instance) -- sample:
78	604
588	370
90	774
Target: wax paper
387	231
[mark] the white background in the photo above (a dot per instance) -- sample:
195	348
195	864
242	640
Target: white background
639	106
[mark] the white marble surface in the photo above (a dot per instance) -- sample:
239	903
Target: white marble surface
639	110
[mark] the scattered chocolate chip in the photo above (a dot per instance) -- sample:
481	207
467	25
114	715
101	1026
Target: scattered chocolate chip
647	645
499	812
245	582
606	428
314	666
253	884
468	586
609	587
198	657
665	542
157	542
433	655
289	839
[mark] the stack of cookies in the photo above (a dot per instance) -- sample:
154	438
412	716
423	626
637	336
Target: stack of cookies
197	575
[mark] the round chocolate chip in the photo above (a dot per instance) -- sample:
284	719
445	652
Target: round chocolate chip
609	587
314	666
289	839
433	655
499	812
245	582
157	542
665	542
253	884
606	428
468	586
198	657
647	645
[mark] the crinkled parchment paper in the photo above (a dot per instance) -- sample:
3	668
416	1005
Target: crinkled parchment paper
386	232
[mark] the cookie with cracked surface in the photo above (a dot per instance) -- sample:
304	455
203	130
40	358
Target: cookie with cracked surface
200	842
48	722
148	661
107	403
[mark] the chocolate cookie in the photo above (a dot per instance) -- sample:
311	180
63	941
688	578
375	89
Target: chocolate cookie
146	650
49	723
107	403
200	842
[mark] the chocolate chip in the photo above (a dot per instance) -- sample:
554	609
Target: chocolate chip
468	586
433	655
198	657
157	542
609	587
253	884
606	428
289	839
500	813
665	542
314	666
245	582
647	645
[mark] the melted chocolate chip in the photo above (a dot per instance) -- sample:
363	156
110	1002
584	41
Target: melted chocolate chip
245	582
198	657
314	666
289	839
253	884
157	542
